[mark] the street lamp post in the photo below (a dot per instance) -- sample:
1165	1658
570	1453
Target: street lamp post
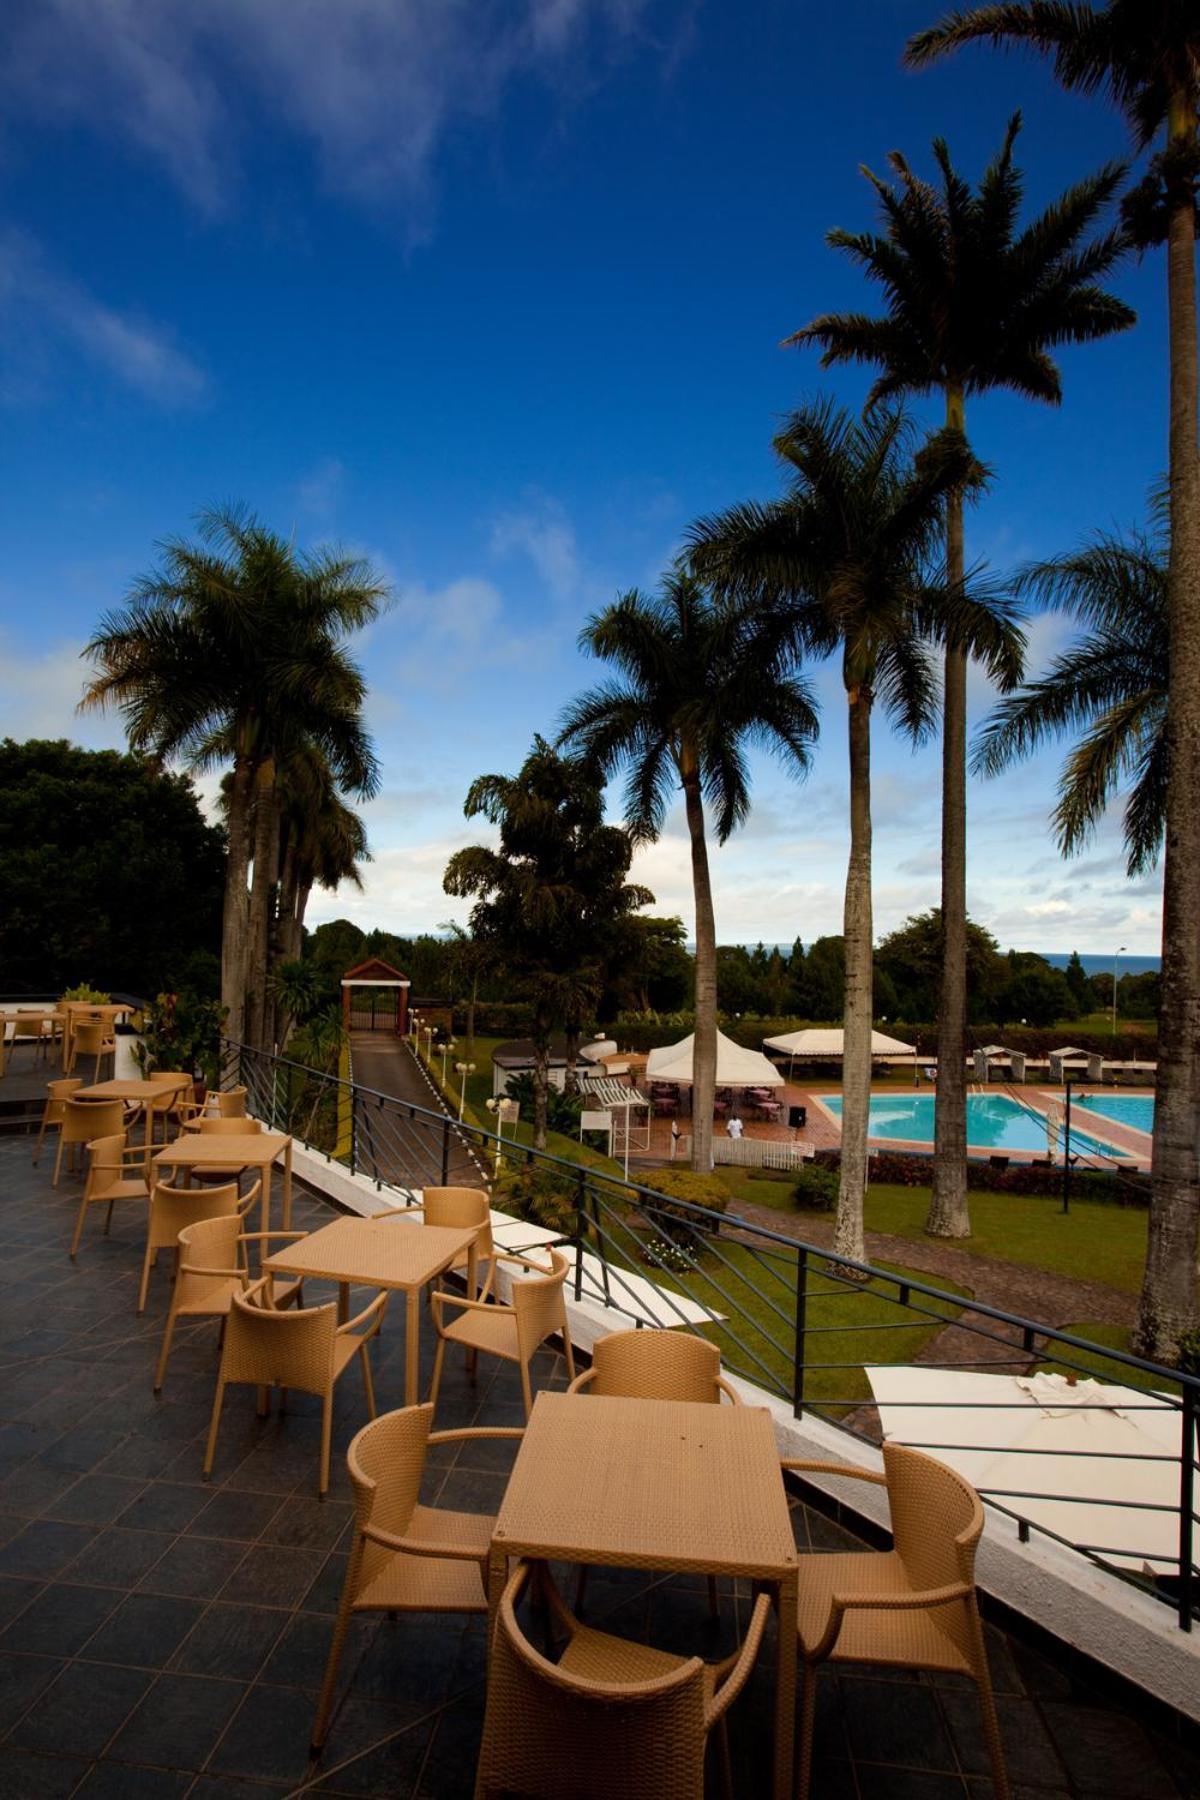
1116	960
464	1069
428	1030
414	1020
503	1108
447	1047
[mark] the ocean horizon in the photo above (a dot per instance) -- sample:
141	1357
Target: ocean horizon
1094	963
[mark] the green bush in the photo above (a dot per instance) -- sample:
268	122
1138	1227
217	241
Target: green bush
816	1188
181	1031
562	1110
540	1195
1189	1352
687	1185
93	996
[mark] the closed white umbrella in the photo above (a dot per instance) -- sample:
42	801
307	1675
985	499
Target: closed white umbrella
1096	1464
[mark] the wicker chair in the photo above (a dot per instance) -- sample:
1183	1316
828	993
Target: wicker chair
83	1120
222	1127
406	1557
91	1038
913	1606
172	1209
456	1208
655	1365
212	1268
230	1102
56	1093
305	1348
610	1720
116	1171
514	1331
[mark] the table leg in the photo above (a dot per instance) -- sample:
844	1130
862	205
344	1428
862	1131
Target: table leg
786	1600
265	1198
287	1187
412	1345
343	1312
472	1294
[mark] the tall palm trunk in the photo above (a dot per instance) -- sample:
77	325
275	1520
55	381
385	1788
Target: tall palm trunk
948	1214
1167	1306
857	1004
266	872
541	1074
236	913
704	1042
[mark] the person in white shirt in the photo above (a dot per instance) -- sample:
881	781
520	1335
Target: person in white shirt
734	1127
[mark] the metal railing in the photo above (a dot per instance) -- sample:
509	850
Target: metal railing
795	1319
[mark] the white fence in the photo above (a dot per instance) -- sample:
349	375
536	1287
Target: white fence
749	1153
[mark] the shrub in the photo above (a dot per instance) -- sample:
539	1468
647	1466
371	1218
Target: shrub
816	1188
539	1195
93	996
686	1185
1189	1352
664	1253
181	1031
562	1110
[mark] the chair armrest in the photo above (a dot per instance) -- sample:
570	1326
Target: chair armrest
824	1468
231	1274
724	1387
440	1298
525	1262
245	1237
925	1599
582	1381
740	1666
418	1546
373	1310
462	1434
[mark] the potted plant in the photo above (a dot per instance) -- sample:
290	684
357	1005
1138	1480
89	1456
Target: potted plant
182	1031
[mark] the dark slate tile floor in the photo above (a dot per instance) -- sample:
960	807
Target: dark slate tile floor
161	1636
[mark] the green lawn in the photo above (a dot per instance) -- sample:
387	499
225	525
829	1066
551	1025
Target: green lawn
1117	1338
1093	1241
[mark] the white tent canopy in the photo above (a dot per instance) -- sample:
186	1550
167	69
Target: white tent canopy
1096	1464
824	1046
736	1067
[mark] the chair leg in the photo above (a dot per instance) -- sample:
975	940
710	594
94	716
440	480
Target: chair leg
368	1380
991	1732
37	1148
723	1758
808	1705
147	1260
568	1350
320	1728
57	1161
160	1374
526	1392
326	1440
83	1206
108	1217
438	1359
210	1448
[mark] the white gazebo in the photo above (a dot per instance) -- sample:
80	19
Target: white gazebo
737	1067
819	1044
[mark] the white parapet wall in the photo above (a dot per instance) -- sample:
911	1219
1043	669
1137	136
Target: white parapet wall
1119	1626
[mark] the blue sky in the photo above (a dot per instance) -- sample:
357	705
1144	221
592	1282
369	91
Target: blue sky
494	293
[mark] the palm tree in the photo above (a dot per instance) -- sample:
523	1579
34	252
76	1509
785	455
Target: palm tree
1111	685
232	650
697	686
849	561
1145	55
972	305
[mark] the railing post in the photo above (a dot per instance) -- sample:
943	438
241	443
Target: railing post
353	1130
594	1209
578	1232
800	1352
1187	1462
1066	1204
445	1152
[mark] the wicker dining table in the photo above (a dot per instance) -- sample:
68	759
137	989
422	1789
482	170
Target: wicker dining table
239	1150
146	1090
668	1485
381	1253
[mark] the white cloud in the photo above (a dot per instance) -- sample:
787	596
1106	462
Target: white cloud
544	535
39	692
374	86
319	493
38	305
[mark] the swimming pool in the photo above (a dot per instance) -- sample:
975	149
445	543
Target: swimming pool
1134	1110
994	1122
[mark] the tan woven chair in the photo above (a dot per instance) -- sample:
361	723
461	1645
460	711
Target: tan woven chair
610	1720
911	1607
305	1349
655	1365
457	1208
83	1120
406	1557
212	1268
91	1038
512	1332
116	1171
56	1093
173	1209
233	1127
230	1102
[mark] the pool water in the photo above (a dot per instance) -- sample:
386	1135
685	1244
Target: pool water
1134	1110
994	1122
